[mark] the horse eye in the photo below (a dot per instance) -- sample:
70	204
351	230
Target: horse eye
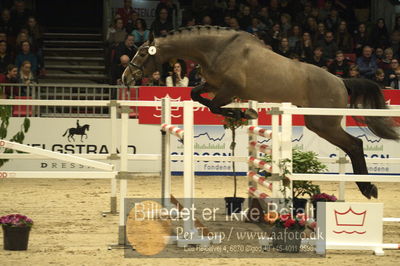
143	53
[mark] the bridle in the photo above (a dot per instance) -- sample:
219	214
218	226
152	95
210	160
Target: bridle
133	66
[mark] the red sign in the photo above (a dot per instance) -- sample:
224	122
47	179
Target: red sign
203	116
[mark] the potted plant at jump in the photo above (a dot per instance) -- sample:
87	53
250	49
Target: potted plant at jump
234	204
287	231
16	228
305	162
321	197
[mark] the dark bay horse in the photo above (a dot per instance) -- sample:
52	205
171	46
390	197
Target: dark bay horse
77	131
236	64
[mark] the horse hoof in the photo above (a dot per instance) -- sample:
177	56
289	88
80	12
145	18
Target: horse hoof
250	114
371	192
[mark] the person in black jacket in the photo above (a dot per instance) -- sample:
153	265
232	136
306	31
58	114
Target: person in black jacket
126	47
339	66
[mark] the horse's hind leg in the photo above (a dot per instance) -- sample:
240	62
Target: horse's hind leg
222	97
329	128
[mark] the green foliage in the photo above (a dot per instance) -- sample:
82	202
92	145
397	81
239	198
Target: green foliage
5	114
306	162
303	162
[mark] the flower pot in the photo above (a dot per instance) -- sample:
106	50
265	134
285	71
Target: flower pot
16	238
233	205
286	240
299	205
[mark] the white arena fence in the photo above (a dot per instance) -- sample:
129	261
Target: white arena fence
77	92
281	137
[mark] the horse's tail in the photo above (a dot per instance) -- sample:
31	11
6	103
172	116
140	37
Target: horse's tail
368	94
65	133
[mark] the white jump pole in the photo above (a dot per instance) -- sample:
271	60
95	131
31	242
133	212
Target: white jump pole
276	156
188	170
166	154
114	137
123	168
56	155
286	144
342	166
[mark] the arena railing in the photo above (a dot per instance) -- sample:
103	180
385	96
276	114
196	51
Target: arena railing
78	92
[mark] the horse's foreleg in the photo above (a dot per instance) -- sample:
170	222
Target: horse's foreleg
330	129
221	98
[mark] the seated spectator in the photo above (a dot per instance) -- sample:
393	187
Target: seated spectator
311	26
263	16
131	25
127	47
379	54
325	10
354	72
317	59
155	79
395	84
234	23
10	77
116	33
379	78
344	40
255	26
275	35
232	8
379	34
390	74
367	63
161	25
5	57
284	48
386	60
361	39
125	12
395	43
25	75
206	21
27	55
320	34
304	48
170	6
332	21
118	70
286	25
329	46
35	32
141	33
339	67
294	36
178	78
245	18
19	15
6	23
21	37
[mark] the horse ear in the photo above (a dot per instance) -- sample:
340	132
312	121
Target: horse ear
151	38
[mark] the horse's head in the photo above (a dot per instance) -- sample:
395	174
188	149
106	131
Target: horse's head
144	63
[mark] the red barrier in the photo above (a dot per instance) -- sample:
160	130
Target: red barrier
152	115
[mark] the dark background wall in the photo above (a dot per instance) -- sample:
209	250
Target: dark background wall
71	13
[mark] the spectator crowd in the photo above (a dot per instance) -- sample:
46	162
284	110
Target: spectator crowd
326	33
21	40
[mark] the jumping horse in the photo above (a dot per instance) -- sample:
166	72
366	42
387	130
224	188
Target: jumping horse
236	64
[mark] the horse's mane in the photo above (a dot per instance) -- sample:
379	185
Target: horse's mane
200	29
